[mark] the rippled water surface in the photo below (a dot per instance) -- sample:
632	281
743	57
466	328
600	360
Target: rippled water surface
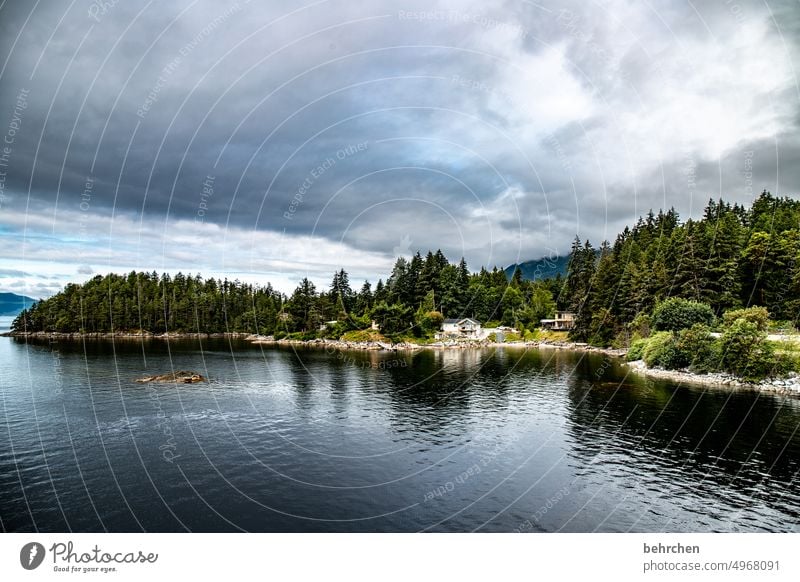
306	440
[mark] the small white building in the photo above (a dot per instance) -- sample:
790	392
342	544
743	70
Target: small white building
461	328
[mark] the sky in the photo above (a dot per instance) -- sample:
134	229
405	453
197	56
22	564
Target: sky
270	141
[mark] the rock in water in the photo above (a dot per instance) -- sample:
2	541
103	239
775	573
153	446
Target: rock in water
181	377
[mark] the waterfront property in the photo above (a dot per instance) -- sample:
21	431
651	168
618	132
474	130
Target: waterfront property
461	328
563	321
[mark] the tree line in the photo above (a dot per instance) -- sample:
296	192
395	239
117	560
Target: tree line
413	300
733	257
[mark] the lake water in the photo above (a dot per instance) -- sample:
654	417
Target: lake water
304	440
5	323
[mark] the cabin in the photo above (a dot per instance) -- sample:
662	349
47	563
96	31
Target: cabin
462	328
564	321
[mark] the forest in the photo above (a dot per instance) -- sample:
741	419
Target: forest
412	301
732	257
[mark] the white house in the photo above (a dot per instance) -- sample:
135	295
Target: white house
465	328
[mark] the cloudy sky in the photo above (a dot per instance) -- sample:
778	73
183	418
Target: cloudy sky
268	141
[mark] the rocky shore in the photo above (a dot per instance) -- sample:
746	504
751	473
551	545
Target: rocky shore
123	335
337	344
440	345
788	385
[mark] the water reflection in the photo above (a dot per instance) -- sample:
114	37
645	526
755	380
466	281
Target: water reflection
302	439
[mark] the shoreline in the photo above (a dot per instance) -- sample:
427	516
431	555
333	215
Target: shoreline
124	335
256	339
789	385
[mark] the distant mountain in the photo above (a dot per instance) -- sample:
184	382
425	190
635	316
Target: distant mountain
539	269
12	304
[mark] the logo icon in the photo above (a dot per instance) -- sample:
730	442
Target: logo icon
31	555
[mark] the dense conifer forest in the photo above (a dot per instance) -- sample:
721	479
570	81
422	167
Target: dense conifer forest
732	257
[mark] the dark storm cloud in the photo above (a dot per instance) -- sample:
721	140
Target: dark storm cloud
495	130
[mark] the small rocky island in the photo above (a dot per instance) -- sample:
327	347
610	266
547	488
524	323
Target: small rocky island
180	377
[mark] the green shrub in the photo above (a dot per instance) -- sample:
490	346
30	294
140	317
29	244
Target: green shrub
532	335
675	314
636	350
661	351
431	321
697	349
747	354
756	315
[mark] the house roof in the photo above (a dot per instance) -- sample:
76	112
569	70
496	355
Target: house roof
462	319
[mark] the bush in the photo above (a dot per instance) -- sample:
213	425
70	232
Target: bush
697	349
431	321
532	335
636	350
747	354
756	315
675	314
661	351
